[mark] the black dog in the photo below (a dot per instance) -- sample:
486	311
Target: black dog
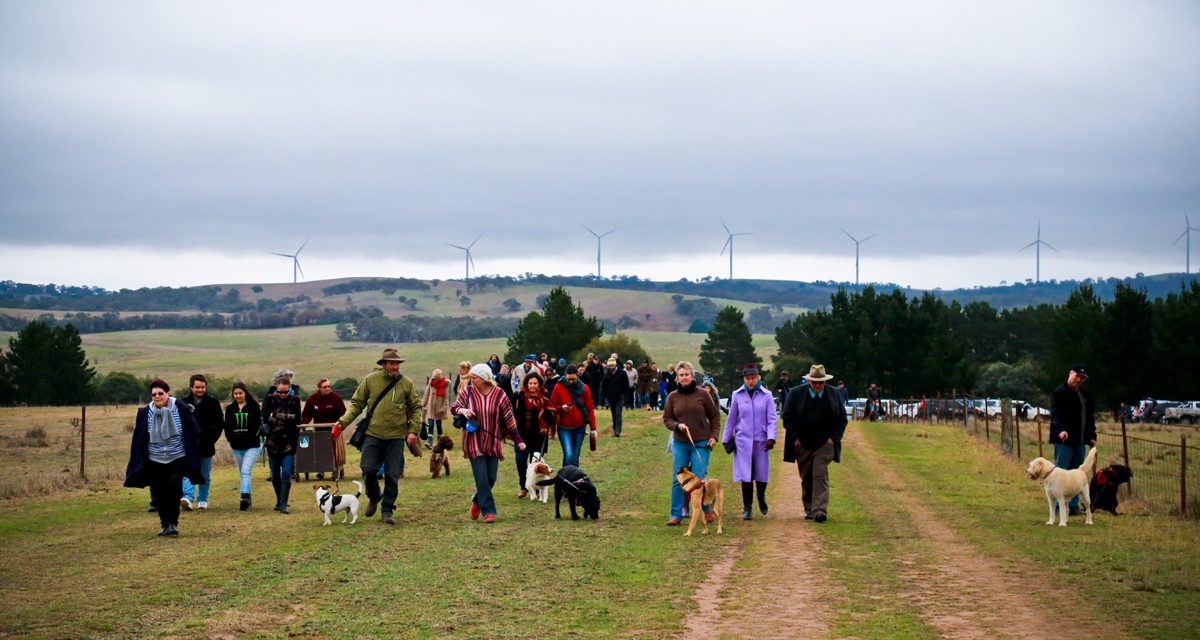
578	489
1104	487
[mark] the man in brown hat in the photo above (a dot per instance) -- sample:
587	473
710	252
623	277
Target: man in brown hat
815	420
395	422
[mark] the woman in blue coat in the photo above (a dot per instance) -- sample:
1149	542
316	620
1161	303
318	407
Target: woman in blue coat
165	449
752	427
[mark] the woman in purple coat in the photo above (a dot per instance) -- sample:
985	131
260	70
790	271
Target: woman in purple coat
752	427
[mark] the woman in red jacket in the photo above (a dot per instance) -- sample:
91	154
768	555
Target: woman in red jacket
576	413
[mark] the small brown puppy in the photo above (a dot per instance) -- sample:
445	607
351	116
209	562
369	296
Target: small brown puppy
700	493
438	459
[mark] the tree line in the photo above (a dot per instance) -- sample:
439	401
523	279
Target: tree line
424	328
1133	346
270	316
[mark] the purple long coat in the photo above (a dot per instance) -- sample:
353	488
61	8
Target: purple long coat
752	421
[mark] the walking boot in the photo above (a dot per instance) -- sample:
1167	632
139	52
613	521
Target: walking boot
746	513
245	504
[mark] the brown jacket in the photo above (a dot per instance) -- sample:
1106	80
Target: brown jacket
697	410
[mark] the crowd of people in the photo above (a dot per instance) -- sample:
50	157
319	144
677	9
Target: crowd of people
531	405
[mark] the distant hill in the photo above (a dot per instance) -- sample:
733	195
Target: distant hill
625	302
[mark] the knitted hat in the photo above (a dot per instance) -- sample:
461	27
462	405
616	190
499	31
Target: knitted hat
483	371
282	376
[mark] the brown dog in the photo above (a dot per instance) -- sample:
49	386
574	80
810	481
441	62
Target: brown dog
700	493
438	459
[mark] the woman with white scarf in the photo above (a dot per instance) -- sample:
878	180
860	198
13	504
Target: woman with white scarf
165	448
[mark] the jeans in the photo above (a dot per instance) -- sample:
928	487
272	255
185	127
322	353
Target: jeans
281	466
429	426
189	489
615	407
683	454
245	459
1069	456
485	469
165	487
387	455
572	444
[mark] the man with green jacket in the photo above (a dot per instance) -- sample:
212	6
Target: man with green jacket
396	419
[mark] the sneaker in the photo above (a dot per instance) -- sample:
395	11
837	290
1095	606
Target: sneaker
474	511
371	507
387	518
673	522
185	504
166	531
202	505
820	517
489	518
283	508
710	517
746	513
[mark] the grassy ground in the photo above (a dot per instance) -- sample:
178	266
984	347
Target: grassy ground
1142	571
90	566
314	352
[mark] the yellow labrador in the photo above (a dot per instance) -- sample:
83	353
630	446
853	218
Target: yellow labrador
1063	484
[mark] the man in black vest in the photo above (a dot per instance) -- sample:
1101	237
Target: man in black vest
1072	423
815	421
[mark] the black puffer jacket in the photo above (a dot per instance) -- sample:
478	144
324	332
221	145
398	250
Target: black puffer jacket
211	420
281	422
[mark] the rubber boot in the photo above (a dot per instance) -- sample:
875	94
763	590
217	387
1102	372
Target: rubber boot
275	485
762	497
284	490
747	496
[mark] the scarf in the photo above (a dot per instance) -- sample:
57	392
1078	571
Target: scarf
751	390
439	386
164	423
536	402
688	389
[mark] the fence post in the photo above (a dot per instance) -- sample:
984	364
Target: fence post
987	420
82	441
1125	449
1039	426
1017	427
1183	474
1006	426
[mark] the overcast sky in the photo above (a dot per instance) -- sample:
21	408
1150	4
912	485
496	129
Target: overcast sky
149	143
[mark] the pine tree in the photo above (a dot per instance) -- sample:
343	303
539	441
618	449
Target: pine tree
48	366
560	329
727	349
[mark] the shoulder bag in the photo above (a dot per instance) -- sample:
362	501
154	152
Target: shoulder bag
360	432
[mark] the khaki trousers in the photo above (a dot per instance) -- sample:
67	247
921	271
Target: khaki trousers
814	477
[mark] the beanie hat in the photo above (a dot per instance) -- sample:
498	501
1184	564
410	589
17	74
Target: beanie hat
282	376
483	371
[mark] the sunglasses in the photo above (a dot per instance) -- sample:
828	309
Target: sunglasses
156	394
326	387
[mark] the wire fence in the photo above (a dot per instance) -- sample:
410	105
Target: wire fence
1164	459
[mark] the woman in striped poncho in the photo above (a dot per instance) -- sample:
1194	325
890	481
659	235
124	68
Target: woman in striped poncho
489	417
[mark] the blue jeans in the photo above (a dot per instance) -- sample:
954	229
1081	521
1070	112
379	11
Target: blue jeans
1069	456
572	444
281	466
189	489
245	459
429	425
683	454
485	470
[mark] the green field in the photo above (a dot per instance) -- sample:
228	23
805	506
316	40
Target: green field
314	352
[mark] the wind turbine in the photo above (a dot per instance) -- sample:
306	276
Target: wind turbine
295	260
1187	233
468	261
599	237
857	243
729	245
1038	243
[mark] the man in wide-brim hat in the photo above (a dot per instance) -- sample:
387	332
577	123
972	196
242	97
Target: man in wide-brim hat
395	422
815	421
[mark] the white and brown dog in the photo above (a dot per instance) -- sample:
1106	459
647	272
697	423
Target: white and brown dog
538	471
330	503
1061	485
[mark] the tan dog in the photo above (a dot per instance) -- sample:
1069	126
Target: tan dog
700	493
438	459
1061	485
